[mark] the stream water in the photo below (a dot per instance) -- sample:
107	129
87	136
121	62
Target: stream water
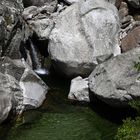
60	119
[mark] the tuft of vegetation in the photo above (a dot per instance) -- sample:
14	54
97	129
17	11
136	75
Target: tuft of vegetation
136	105
137	65
8	19
130	130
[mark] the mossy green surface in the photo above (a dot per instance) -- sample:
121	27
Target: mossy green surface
130	130
59	119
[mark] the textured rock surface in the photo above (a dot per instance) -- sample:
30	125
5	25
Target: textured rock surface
116	82
79	89
126	20
20	87
41	23
12	27
5	97
73	1
10	94
34	89
11	35
112	1
118	3
78	38
131	40
42	27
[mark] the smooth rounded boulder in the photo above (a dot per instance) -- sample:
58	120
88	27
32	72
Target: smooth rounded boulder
82	33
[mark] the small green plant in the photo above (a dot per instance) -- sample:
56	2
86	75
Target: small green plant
136	105
130	130
8	18
137	65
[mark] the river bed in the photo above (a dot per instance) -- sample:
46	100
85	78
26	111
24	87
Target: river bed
60	119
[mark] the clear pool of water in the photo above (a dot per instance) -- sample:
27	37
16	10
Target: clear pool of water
59	119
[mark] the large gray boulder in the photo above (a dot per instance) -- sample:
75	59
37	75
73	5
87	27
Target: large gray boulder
82	33
117	82
20	88
79	90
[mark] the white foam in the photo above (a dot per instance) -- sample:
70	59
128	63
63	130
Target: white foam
42	71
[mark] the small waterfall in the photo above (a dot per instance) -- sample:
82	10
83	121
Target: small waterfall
35	60
34	56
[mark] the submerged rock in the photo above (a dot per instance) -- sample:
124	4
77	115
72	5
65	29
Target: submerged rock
82	33
116	81
79	89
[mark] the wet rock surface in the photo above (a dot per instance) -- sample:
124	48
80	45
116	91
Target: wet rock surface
11	26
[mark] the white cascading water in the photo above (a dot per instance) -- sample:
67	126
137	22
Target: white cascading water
35	60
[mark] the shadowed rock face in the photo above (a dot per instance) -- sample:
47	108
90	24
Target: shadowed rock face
116	81
11	26
81	34
132	40
28	3
134	3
